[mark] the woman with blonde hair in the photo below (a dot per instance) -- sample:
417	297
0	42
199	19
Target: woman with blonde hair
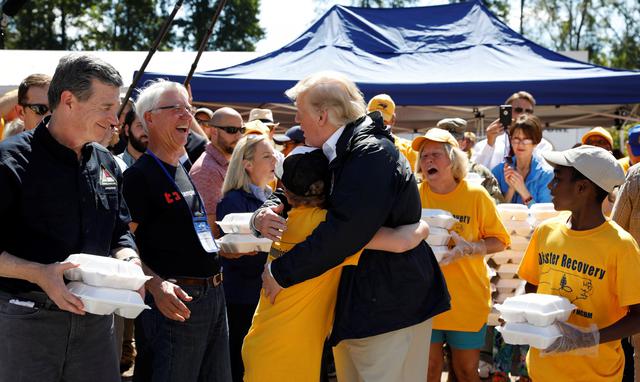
479	231
245	188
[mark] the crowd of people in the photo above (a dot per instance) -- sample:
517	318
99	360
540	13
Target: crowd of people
349	281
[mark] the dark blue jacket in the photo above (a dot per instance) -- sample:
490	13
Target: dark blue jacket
242	276
373	186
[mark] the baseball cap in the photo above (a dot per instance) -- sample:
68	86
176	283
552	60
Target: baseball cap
634	140
598	131
595	163
435	134
456	126
204	110
294	133
256	127
384	104
303	167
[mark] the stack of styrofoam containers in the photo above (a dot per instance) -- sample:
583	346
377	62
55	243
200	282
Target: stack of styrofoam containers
440	222
106	285
239	237
530	319
542	211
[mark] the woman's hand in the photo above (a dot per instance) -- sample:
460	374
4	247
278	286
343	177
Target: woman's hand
515	180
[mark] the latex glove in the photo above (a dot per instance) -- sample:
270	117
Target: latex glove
463	248
573	337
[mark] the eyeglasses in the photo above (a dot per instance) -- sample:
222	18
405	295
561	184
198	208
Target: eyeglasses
177	109
37	108
517	141
521	110
231	129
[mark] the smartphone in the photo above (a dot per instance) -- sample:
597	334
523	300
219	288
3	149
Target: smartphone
505	115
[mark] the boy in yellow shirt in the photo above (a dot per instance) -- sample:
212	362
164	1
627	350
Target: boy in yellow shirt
592	262
286	337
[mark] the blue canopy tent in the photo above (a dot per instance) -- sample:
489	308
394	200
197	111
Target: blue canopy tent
458	54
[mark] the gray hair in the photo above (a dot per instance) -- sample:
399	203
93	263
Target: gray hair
237	177
149	97
459	161
332	92
75	72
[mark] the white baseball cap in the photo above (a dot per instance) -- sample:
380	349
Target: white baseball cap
595	163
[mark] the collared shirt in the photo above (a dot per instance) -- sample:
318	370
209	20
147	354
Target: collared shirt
260	193
626	210
54	205
329	147
540	174
127	158
208	174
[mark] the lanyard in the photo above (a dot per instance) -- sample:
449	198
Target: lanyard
202	212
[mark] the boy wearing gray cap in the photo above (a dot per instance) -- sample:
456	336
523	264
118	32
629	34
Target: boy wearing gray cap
589	260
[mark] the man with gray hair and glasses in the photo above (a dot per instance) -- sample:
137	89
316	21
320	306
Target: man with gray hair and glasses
184	336
60	194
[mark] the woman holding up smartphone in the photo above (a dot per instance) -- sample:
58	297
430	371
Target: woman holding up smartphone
525	180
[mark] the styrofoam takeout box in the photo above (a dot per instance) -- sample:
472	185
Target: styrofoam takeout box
509	285
439	251
516	333
438	218
519	227
236	223
438	236
536	308
543	211
518	243
104	271
513	211
507	271
102	301
243	243
507	256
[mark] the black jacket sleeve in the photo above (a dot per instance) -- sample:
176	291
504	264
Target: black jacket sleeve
362	197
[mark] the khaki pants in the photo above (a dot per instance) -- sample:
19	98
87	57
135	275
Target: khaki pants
635	341
397	356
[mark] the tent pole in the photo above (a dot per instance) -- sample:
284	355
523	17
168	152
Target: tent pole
203	42
154	47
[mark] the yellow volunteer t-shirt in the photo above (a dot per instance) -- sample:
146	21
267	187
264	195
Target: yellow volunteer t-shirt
467	278
598	271
286	339
404	146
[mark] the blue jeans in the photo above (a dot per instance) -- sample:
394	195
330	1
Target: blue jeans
191	351
43	345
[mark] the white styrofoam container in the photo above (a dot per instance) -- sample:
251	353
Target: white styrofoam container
513	211
243	243
518	243
438	237
507	256
515	333
102	271
519	227
102	301
236	223
439	251
536	308
507	271
543	211
509	285
438	218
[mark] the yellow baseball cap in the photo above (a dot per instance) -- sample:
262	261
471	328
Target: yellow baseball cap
256	127
434	134
384	104
600	132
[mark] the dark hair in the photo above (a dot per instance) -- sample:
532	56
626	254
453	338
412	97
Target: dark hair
309	201
129	117
38	80
601	194
530	125
75	73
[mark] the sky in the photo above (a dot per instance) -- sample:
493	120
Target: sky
285	20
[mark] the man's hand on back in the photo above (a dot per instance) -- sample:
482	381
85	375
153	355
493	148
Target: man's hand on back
269	223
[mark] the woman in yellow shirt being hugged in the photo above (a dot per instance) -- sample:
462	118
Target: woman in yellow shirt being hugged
479	231
286	338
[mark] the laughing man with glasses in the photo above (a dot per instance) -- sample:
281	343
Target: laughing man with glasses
33	102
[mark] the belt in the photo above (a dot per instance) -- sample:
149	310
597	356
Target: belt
38	300
213	281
